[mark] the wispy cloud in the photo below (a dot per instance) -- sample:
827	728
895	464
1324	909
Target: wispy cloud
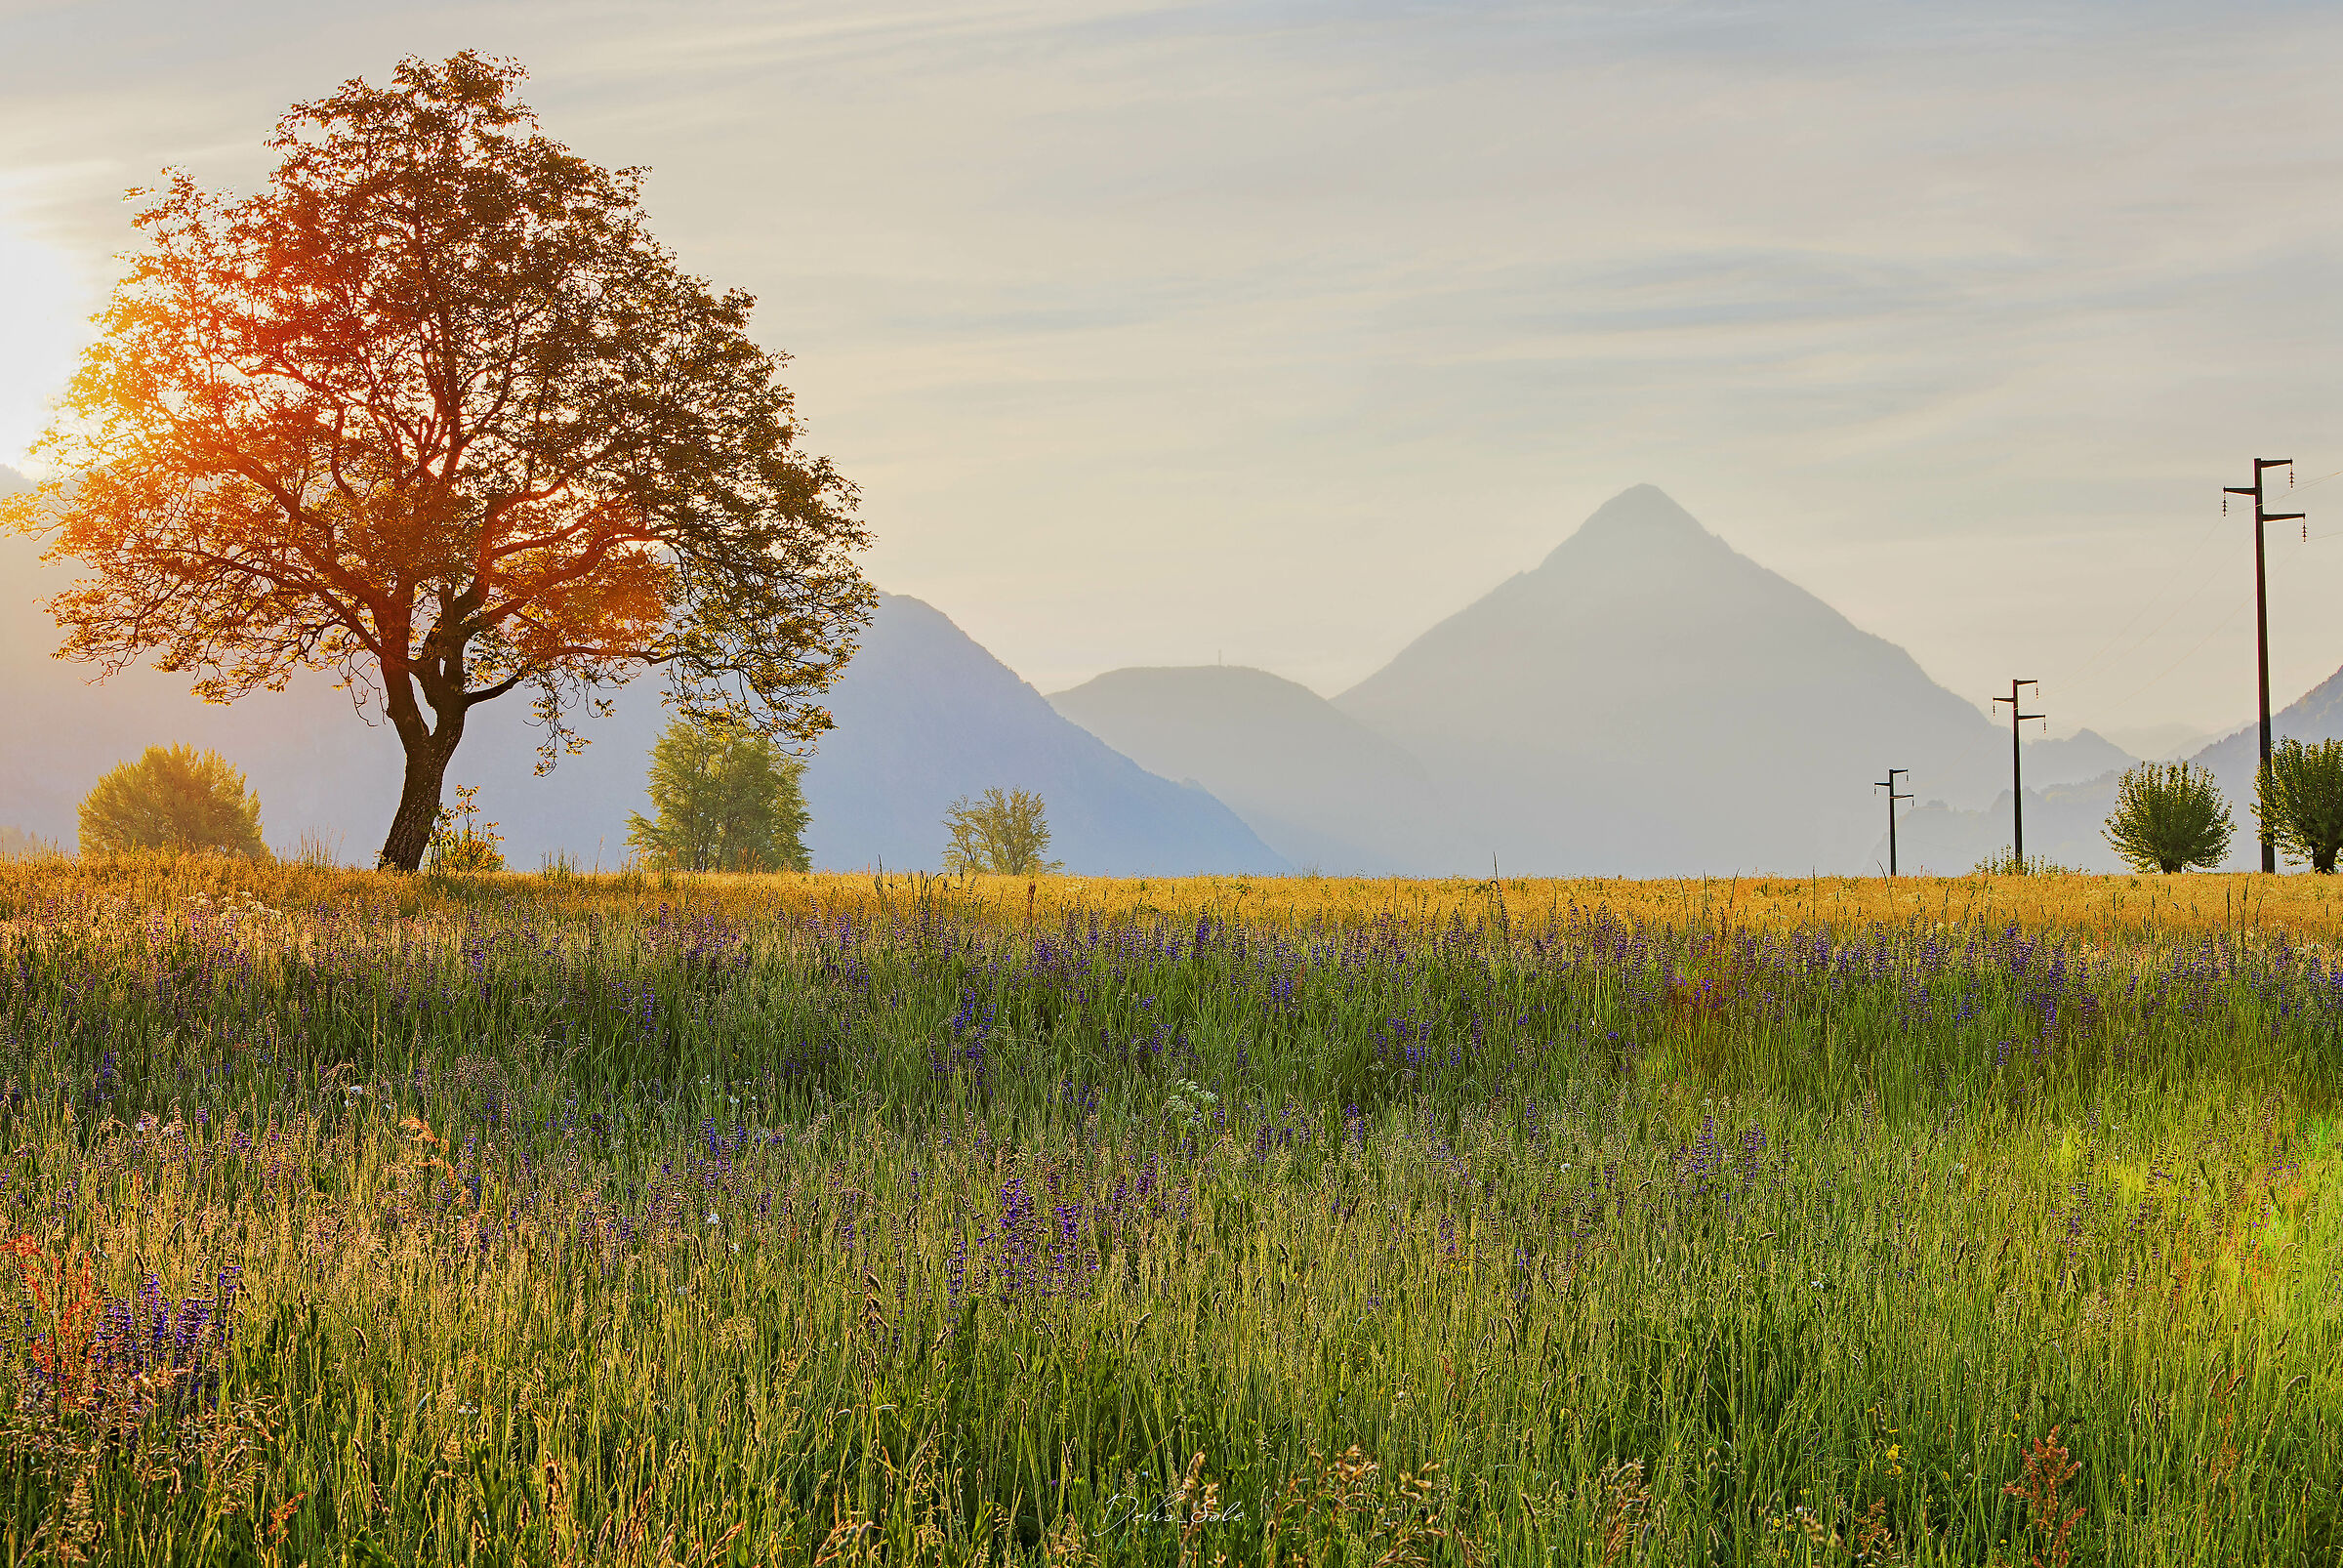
1153	329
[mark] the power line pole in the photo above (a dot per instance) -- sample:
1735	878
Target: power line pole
1889	784
2017	773
2261	606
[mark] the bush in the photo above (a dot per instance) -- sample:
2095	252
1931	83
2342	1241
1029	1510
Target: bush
2299	801
2170	816
727	800
462	844
173	798
1005	835
2003	863
18	844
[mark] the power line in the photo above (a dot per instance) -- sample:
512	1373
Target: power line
2156	679
2017	773
2202	581
1889	784
2261	606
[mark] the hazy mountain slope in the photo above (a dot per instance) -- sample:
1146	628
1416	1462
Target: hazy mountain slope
1650	701
317	768
924	715
963	722
1319	787
2064	826
2084	754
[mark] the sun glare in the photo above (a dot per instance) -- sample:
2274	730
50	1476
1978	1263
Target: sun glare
43	325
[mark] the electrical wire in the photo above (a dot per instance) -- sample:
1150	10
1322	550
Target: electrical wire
2120	703
2203	583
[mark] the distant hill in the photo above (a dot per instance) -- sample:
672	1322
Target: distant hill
2083	756
1318	787
2064	824
924	713
1650	701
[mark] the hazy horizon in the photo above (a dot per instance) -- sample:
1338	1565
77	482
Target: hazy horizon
1157	334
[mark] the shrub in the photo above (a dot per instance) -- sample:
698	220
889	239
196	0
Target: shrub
2299	801
18	844
727	800
462	844
2170	816
1006	834
173	798
2003	863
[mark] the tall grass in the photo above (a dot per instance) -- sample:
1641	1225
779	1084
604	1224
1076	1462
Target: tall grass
571	1219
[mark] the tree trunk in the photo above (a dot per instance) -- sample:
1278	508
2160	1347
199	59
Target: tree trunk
419	796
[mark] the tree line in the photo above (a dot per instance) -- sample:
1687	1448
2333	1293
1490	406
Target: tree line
723	799
2171	818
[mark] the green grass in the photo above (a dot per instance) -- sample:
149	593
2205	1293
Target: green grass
575	1230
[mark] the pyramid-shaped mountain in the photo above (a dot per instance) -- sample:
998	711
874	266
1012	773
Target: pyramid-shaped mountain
1319	787
1649	701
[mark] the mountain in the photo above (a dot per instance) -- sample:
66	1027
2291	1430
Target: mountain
1318	787
2063	824
1649	701
2083	756
924	716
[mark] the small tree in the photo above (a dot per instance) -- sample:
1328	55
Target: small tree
727	799
173	798
2169	817
1005	835
2299	801
461	842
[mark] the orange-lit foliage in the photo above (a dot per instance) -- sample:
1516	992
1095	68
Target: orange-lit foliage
434	411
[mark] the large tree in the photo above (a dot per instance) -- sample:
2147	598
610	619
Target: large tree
434	411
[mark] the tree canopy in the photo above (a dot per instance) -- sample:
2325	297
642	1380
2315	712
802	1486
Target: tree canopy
726	799
434	411
1006	834
2298	800
2168	817
173	798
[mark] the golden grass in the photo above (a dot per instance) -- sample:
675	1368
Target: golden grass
2302	907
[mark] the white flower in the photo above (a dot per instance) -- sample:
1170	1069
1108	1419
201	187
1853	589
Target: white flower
711	1216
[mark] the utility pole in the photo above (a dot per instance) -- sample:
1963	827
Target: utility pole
2261	606
2017	773
1889	784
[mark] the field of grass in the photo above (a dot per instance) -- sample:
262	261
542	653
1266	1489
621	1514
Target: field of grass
365	1220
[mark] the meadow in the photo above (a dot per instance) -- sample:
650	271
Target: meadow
367	1219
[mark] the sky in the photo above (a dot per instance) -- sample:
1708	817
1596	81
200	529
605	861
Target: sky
1161	333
